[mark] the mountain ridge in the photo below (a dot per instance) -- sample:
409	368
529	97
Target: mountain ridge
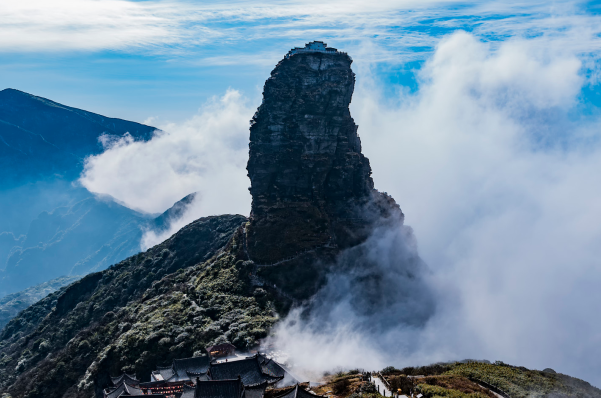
227	278
59	136
209	283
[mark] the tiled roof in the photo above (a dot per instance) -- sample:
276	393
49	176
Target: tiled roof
131	378
124	387
298	392
131	390
194	365
188	392
115	392
219	389
164	373
248	369
180	369
201	376
275	369
256	391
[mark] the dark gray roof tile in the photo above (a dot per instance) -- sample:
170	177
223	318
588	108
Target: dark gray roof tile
298	392
248	369
130	378
256	391
219	389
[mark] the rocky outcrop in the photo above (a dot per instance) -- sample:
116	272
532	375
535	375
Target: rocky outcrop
215	280
311	185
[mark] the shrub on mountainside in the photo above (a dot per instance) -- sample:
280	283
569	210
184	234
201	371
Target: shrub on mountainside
519	382
430	391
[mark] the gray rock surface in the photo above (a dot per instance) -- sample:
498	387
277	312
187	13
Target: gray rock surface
311	185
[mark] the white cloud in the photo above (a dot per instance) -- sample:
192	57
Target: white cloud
502	188
197	29
494	173
205	154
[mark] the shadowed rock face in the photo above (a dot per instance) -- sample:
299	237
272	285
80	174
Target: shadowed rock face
311	185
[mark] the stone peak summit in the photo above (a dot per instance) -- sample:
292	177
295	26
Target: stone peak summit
311	185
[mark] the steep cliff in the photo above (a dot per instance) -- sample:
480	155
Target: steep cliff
220	278
311	185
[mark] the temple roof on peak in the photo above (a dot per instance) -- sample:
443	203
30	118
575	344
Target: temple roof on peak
313	47
219	389
131	378
298	392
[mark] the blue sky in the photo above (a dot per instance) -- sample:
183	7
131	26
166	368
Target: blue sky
482	119
165	58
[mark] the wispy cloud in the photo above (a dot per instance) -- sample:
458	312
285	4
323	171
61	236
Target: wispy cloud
218	31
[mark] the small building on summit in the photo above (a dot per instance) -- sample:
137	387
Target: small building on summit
312	47
221	350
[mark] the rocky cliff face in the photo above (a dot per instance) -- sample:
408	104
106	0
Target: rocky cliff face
312	197
310	183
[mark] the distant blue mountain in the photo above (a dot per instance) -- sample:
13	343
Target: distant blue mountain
41	138
49	225
87	236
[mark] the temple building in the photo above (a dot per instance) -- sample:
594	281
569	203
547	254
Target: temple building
200	377
123	386
224	389
274	369
248	369
312	47
186	369
221	350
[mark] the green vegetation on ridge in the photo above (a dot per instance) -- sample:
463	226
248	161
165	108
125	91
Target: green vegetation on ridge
169	302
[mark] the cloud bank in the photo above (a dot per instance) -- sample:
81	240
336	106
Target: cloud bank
206	154
496	168
501	184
